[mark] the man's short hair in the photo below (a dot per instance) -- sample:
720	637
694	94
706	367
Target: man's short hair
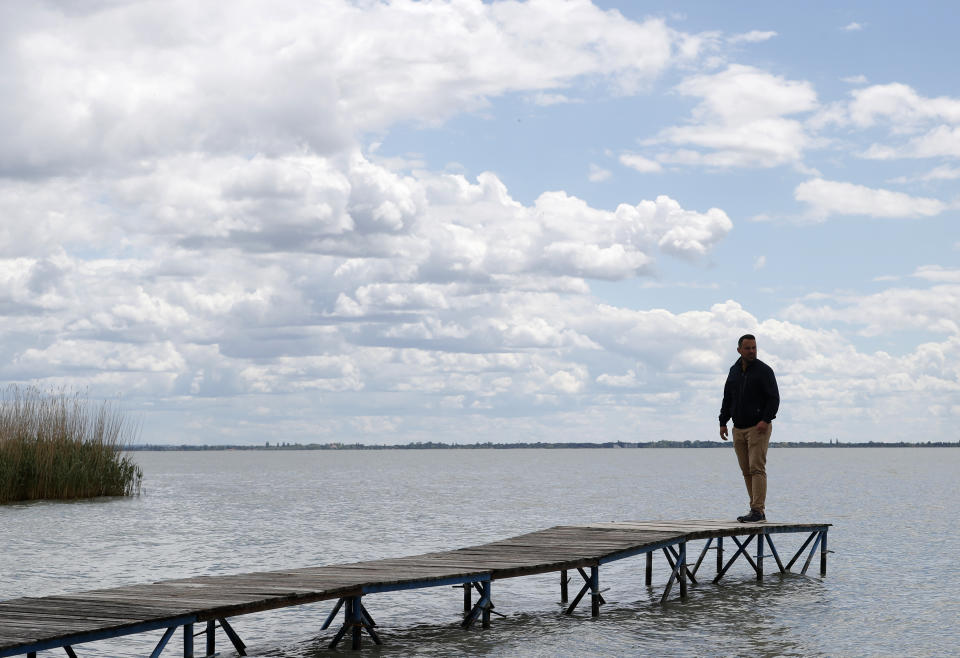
745	337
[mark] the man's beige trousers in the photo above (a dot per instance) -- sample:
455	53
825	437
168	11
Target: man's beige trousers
751	447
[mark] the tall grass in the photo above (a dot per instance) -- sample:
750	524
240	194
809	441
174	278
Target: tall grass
55	445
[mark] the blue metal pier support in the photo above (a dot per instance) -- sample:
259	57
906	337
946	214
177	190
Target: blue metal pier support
591	584
595	597
679	571
356	619
760	538
188	640
823	553
482	608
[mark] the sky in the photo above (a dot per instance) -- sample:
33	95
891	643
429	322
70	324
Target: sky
460	221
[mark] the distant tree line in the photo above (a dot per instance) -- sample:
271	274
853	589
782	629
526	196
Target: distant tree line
489	445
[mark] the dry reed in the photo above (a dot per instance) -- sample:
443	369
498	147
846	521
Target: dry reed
55	445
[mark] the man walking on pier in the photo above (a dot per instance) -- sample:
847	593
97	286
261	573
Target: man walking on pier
751	398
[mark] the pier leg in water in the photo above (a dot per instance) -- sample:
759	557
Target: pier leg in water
823	554
595	591
760	556
564	579
482	608
649	579
678	573
188	641
588	586
211	637
356	622
356	619
682	563
486	609
719	554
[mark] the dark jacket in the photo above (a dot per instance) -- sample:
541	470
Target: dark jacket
750	396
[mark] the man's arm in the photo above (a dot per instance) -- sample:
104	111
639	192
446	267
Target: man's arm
725	409
771	394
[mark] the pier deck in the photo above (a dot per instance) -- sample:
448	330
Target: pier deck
32	624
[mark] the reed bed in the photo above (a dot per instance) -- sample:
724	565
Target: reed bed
56	445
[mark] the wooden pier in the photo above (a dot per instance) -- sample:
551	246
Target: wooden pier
203	604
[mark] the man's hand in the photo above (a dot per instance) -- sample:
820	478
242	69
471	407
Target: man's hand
723	432
763	427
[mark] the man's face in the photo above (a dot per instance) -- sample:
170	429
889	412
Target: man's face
748	350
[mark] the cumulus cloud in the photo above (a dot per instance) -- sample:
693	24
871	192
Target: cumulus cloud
297	274
933	309
919	126
189	219
827	198
139	80
900	105
742	120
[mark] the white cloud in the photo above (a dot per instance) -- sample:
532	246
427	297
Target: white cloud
640	163
853	27
303	273
140	80
828	198
919	126
937	273
188	219
901	105
627	380
935	309
855	79
936	174
760	262
741	120
753	36
598	174
942	141
546	99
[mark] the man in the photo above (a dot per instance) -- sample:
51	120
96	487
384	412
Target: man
751	398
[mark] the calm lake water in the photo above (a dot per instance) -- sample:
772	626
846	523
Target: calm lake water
892	589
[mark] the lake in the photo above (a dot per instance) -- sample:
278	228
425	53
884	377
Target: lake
891	589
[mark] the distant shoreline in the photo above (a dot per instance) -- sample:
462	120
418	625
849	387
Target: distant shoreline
432	445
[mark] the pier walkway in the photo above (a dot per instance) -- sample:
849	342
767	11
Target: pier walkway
32	624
